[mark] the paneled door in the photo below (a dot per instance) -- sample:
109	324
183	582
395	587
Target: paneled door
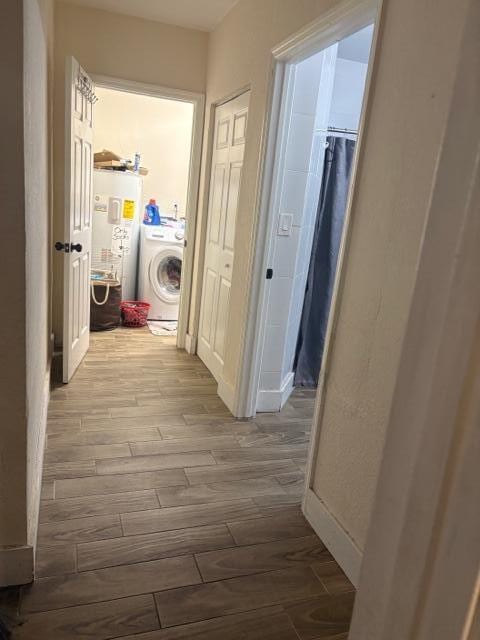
77	241
226	174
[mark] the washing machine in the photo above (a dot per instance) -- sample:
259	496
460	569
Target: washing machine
160	268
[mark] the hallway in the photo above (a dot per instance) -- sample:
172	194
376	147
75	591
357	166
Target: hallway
164	518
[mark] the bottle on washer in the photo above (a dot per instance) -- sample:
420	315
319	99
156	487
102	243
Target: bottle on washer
152	214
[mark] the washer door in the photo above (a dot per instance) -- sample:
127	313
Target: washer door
165	274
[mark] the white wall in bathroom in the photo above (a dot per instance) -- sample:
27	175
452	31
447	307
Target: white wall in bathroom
347	95
160	130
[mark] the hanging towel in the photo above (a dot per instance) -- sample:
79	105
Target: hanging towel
323	261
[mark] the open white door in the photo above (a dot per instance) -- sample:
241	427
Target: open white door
78	216
226	172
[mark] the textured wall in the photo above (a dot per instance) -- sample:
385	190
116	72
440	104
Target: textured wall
25	249
38	50
409	101
12	249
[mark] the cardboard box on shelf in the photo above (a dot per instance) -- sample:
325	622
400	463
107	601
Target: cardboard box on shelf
105	156
107	159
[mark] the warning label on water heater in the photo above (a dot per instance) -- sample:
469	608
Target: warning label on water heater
128	209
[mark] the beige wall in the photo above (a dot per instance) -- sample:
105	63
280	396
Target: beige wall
160	130
409	102
122	47
125	47
25	41
38	74
13	446
411	92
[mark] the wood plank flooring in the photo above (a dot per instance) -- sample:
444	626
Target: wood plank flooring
163	518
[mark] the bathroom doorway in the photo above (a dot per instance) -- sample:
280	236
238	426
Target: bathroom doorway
320	82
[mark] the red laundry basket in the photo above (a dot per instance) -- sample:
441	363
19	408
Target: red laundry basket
134	313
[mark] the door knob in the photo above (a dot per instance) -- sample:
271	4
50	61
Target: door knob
65	246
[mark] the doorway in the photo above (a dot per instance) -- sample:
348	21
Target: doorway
141	171
318	98
144	148
322	114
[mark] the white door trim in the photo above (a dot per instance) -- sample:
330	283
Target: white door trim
198	101
343	20
420	574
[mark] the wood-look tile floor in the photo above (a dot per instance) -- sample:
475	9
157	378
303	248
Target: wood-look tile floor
163	518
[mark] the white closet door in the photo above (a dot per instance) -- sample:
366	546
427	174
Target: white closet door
78	217
226	174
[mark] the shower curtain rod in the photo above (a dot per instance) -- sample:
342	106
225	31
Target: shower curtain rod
338	130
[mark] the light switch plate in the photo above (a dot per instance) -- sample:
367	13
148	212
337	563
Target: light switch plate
285	223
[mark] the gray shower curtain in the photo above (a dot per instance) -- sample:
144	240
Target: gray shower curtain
323	261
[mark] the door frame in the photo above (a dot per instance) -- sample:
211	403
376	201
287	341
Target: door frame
343	20
198	102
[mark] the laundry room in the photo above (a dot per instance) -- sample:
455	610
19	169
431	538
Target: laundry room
142	163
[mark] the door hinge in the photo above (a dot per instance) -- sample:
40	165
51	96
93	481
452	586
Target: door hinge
269	274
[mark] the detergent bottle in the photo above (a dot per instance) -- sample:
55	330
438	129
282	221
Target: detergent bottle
152	214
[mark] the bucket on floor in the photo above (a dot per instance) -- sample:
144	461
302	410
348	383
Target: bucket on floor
134	313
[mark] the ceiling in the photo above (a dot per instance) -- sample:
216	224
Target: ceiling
195	14
357	46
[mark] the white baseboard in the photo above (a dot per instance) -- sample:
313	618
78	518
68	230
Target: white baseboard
272	400
227	394
16	565
333	535
190	343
